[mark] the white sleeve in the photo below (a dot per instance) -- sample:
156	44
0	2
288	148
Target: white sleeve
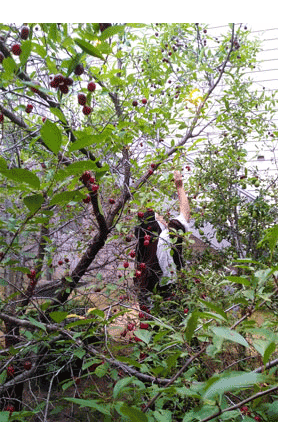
183	221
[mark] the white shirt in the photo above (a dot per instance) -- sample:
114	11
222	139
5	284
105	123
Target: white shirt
163	252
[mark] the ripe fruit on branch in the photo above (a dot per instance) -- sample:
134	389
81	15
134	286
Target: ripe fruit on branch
91	86
16	49
27	365
128	238
144	326
86	199
87	110
64	88
1	117
10	370
86	176
24	33
146	242
82	99
142	266
57	80
126	264
79	69
138	273
152	166
60	262
29	108
132	254
32	274
188	167
112	201
186	310
134	103
131	326
66	260
10	409
144	101
150	171
140	214
95	187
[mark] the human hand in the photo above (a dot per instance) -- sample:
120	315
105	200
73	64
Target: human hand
178	178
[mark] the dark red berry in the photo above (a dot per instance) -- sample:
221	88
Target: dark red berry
186	310
144	326
95	187
82	99
24	33
91	86
134	103
64	88
10	409
112	201
132	254
144	101
150	171
138	273
140	214
60	262
87	110
27	365
146	242
87	199
86	176
79	69
29	108
68	81
1	117
57	80
44	119
104	26
66	260
10	370
126	264
142	266
91	180
16	49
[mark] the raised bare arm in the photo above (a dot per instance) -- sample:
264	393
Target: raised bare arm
183	199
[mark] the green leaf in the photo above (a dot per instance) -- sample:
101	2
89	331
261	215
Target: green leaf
22	176
9	65
237	279
52	136
3	282
26	49
86	141
270	349
73	63
33	202
232	381
121	384
2	163
58	316
133	414
90	403
65	197
58	113
215	308
111	31
3	377
88	48
271	238
101	370
230	335
80	353
144	335
4	416
191	325
36	323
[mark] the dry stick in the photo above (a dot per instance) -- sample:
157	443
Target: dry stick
237	406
